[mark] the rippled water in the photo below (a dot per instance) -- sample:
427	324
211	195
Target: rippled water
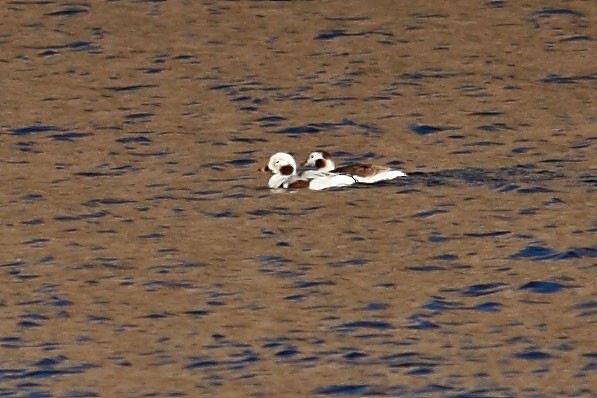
143	255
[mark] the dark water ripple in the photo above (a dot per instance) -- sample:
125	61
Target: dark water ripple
76	46
36	128
588	308
483	289
533	355
138	139
338	33
521	179
312	128
344	390
354	326
237	360
350	262
45	368
69	136
543	287
271	120
558	79
543	253
426	129
129	88
69	11
431	212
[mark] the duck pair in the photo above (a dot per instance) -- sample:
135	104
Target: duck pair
324	174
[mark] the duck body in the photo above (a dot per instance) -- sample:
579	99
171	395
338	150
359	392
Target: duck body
365	173
285	175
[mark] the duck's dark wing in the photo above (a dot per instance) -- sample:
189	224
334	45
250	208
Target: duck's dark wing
360	169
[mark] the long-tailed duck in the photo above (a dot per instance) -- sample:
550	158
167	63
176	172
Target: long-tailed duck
362	172
284	175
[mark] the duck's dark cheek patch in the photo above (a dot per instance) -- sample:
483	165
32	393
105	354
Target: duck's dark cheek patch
287	170
320	163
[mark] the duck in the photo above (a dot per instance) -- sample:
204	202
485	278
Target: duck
365	173
285	175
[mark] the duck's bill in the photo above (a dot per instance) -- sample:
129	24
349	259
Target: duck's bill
264	169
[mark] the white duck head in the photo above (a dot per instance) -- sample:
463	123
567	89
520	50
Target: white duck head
281	163
321	160
283	167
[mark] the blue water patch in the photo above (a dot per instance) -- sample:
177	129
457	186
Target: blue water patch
552	11
521	150
287	352
36	241
295	297
82	45
536	253
221	214
559	79
242	163
46	368
139	116
426	268
430	212
436	237
312	128
343	389
350	262
107	202
533	355
494	127
36	128
376	306
542	253
420	371
354	355
304	284
338	33
309	128
543	287
572	38
137	139
248	140
483	289
486	113
488	307
446	257
438	304
200	363
420	322
426	129
486	234
270	121
151	236
69	11
533	189
364	325
589	308
69	136
83	216
507	187
272	260
59	302
32	197
129	88
410	359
